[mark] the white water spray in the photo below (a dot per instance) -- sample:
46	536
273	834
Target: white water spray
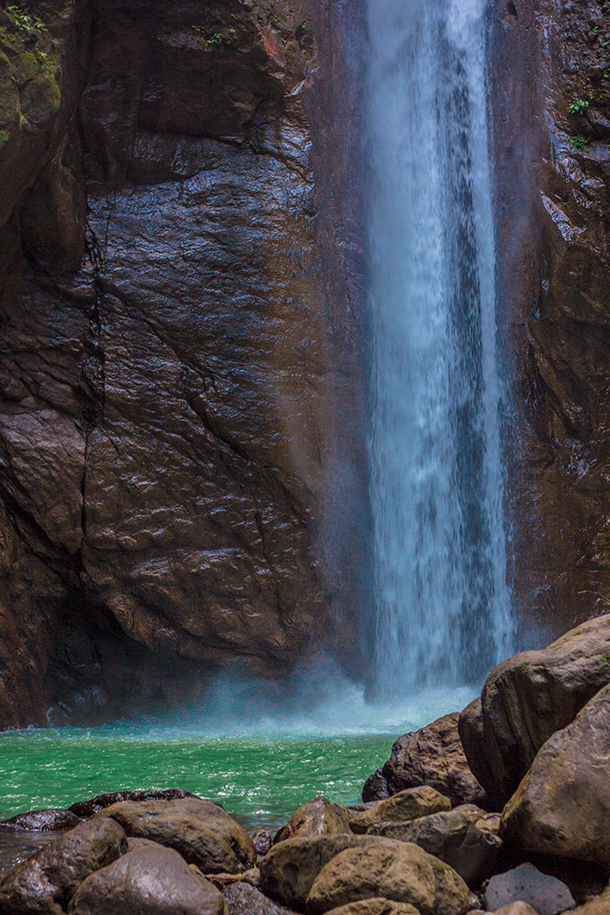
443	612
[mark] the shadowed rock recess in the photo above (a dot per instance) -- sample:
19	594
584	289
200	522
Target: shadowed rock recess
180	347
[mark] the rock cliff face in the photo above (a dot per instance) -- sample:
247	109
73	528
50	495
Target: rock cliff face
552	130
180	339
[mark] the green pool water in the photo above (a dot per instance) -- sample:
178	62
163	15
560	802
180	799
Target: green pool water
261	763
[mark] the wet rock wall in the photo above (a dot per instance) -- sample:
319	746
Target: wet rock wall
551	101
181	345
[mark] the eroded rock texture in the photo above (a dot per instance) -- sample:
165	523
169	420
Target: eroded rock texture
552	128
179	344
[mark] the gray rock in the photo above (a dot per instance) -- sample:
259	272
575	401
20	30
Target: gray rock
45	883
149	881
201	831
262	841
546	895
243	899
465	838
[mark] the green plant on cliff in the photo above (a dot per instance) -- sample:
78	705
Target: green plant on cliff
580	106
24	20
580	143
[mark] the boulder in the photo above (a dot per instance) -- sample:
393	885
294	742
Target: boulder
546	895
315	818
101	801
432	756
465	838
54	820
377	906
201	831
243	899
399	871
401	808
45	883
529	697
516	908
149	881
562	806
288	872
376	787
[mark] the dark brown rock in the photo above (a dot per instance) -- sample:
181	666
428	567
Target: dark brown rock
552	171
175	427
43	821
392	870
45	883
562	806
465	838
403	807
318	817
150	881
101	801
528	698
375	787
201	831
432	756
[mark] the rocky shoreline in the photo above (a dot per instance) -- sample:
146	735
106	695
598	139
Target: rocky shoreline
503	808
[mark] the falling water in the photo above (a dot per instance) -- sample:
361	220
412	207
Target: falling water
440	558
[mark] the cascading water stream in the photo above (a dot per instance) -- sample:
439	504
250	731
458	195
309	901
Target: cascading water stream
443	609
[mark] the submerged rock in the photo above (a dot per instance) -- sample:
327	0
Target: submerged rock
562	806
52	820
201	831
432	756
529	697
149	881
465	838
315	818
546	895
392	870
101	801
45	883
401	808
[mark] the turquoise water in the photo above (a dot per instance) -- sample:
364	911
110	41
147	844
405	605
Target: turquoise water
260	762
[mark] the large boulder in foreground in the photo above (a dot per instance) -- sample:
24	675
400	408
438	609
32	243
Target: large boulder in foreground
45	883
562	806
526	699
465	838
401	808
149	881
201	831
393	870
289	870
315	818
432	756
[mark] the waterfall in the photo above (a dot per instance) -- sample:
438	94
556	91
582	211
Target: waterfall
443	608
